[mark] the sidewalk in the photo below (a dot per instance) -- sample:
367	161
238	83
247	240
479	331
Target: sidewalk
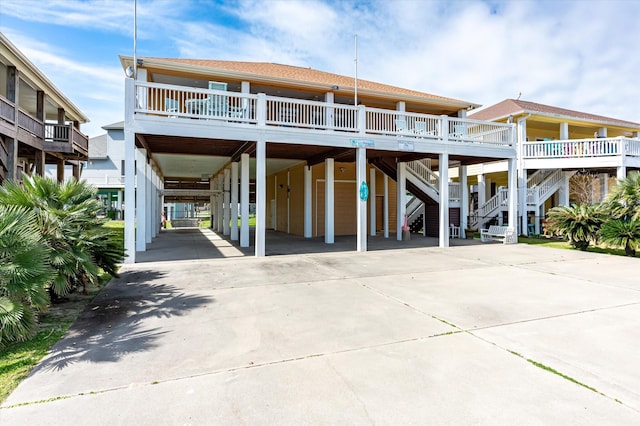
479	334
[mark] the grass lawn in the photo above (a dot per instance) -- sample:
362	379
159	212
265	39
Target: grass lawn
560	244
18	359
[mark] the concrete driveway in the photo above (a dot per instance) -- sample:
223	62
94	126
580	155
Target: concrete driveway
487	334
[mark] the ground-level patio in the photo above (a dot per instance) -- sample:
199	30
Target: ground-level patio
203	243
477	334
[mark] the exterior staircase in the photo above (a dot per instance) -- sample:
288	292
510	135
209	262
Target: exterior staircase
423	184
540	186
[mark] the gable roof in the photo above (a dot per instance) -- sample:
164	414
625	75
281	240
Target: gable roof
273	72
503	109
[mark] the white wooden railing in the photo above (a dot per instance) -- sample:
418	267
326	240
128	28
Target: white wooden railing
480	216
422	170
244	108
105	180
540	192
578	148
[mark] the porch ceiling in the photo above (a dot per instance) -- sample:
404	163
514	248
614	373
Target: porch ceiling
195	157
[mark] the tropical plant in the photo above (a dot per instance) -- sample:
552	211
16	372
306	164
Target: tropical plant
24	273
624	199
67	218
579	223
622	233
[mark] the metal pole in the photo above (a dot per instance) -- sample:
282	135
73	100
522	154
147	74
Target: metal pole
135	36
355	61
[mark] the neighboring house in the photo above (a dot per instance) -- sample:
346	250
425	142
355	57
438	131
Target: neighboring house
554	144
105	171
295	141
38	124
105	168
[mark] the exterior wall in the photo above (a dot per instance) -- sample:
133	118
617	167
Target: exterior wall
107	172
292	220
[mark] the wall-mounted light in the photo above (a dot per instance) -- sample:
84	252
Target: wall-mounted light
341	169
335	88
129	71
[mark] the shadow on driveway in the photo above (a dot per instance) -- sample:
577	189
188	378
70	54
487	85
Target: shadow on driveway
111	325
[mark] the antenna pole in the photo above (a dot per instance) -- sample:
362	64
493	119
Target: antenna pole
355	61
135	36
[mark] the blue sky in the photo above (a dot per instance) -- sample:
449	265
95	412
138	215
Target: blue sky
581	54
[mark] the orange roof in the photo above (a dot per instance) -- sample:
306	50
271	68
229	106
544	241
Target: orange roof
515	106
307	75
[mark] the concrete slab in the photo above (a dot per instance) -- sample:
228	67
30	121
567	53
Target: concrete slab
349	337
454	379
598	348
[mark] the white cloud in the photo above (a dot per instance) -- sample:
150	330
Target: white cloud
575	54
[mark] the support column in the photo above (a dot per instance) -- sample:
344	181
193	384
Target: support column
12	158
261	197
148	202
513	193
220	203
119	205
244	200
212	204
372	200
386	206
401	207
130	197
329	209
141	196
522	202
482	191
226	199
621	172
564	190
39	162
464	200
234	201
443	183
361	182
564	131
307	202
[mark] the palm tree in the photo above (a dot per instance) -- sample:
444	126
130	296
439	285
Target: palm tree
24	273
624	199
579	223
622	233
67	217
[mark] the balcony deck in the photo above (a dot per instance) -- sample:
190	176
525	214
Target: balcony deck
164	109
581	153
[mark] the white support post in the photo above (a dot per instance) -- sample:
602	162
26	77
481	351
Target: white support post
443	183
329	209
482	192
307	202
328	98
513	193
130	197
564	189
226	199
141	196
522	202
261	197
234	201
372	200
386	206
148	202
464	200
244	200
401	208
564	131
361	181
213	212
119	203
621	172
220	203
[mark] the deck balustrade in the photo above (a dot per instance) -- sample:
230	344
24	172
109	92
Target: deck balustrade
263	110
579	148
